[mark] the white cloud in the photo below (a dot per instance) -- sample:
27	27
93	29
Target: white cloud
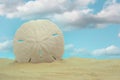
41	8
79	51
69	46
84	18
70	14
6	45
73	51
118	34
110	13
109	2
84	2
8	7
108	51
76	18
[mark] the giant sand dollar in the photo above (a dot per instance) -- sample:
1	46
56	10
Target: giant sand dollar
38	41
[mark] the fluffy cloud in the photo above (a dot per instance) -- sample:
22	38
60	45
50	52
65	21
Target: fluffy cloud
108	51
110	14
111	50
73	51
79	18
40	8
69	13
6	45
69	46
118	34
8	7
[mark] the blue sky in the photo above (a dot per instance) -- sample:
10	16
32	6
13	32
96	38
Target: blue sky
90	27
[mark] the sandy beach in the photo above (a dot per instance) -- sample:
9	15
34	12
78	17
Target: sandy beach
67	69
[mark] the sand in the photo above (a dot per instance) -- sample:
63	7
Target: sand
68	69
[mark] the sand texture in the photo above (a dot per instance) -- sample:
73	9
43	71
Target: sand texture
68	69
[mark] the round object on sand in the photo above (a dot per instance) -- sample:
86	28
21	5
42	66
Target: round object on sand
38	41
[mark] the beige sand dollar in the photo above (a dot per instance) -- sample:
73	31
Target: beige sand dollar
38	41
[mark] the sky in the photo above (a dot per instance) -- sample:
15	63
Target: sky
91	28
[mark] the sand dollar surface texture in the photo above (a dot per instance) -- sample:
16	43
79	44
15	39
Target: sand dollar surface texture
38	41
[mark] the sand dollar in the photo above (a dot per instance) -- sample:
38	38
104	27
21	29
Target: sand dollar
38	41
